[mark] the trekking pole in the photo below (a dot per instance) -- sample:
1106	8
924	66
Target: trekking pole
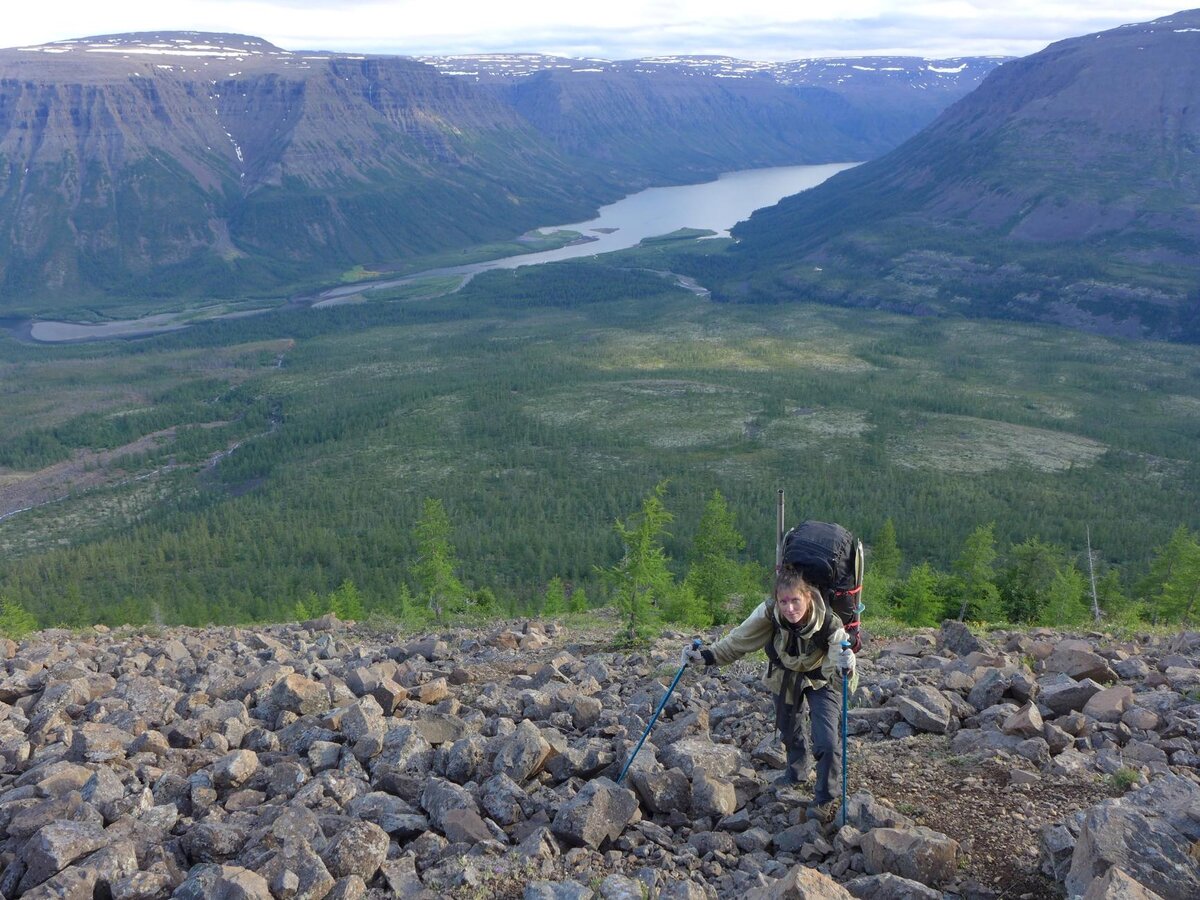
845	703
654	718
779	531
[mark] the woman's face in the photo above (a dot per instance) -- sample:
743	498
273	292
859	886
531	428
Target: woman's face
793	604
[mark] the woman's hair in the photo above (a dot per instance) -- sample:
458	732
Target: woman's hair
792	579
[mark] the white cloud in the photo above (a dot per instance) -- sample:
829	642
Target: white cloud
755	29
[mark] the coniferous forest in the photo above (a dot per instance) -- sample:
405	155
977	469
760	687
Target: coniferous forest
512	447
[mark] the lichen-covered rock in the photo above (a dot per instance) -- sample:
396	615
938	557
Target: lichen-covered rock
358	848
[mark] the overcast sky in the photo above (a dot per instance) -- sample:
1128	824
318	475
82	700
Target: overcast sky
610	29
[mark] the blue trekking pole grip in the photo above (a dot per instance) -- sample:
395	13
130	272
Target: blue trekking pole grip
845	703
654	718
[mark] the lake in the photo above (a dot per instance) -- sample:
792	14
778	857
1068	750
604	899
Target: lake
711	206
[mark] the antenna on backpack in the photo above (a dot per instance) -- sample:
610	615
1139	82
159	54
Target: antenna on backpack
779	519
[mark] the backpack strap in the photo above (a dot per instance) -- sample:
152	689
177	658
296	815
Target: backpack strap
773	661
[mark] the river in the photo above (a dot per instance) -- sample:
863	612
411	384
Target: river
711	206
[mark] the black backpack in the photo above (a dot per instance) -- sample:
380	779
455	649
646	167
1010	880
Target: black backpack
831	560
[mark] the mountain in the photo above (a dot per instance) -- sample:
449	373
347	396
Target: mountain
182	163
1066	188
145	166
707	109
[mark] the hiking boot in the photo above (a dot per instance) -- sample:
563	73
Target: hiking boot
823	813
788	778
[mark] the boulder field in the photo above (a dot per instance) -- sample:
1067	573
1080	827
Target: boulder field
328	760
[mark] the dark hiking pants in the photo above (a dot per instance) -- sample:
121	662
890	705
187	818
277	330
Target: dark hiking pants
825	749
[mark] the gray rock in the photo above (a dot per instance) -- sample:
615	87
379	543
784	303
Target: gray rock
358	848
585	760
234	769
297	872
464	757
404	752
801	883
558	890
1054	854
599	812
585	712
297	694
914	852
503	799
440	728
440	796
959	640
692	753
662	790
1062	694
1148	834
621	887
1109	704
141	886
713	797
352	887
213	842
705	842
394	815
925	709
890	887
1026	722
523	753
96	742
865	813
1079	661
865	720
56	846
401	878
989	688
1117	884
214	882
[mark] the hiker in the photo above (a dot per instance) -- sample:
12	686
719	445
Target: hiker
803	640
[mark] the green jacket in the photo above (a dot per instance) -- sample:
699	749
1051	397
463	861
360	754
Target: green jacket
815	660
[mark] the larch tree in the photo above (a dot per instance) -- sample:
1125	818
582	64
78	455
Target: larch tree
976	574
642	579
434	569
716	575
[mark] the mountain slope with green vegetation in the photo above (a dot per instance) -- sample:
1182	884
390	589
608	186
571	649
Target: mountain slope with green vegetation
231	471
220	165
1066	189
144	170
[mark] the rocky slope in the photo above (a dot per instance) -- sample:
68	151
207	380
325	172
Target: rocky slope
324	761
1064	189
162	164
